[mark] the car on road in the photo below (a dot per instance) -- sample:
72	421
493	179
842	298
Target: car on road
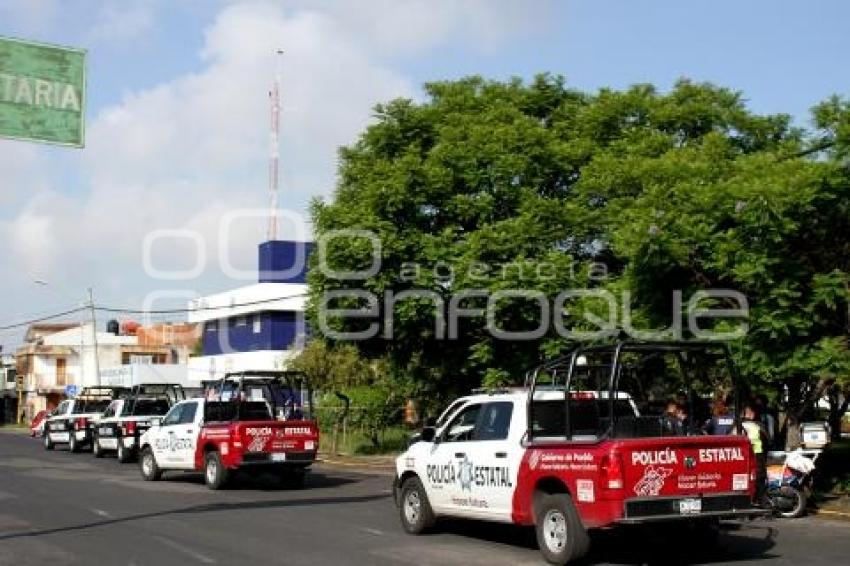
249	421
126	419
73	421
578	448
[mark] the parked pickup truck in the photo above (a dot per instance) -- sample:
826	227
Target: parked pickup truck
126	419
249	421
73	420
577	454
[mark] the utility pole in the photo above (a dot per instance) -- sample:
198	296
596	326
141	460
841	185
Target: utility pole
94	337
274	148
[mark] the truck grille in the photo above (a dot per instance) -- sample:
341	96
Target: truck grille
670	506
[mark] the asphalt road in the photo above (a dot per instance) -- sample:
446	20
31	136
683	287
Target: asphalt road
59	508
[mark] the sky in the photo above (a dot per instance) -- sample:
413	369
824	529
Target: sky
165	201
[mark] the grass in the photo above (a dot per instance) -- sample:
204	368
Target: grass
391	441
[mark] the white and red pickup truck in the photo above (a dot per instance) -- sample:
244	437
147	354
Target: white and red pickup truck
251	421
568	458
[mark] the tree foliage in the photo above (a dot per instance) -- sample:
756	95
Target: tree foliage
485	184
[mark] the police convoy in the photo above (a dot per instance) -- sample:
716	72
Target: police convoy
577	448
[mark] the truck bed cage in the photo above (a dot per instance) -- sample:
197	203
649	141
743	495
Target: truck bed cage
565	365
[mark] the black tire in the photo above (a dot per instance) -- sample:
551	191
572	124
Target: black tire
799	508
48	444
96	449
124	454
414	508
73	445
560	534
147	464
215	474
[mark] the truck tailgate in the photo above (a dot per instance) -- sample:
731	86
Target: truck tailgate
280	437
686	466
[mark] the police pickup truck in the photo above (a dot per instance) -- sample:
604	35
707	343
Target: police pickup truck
249	421
572	451
73	420
126	419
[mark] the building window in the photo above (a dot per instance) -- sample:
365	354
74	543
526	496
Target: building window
258	325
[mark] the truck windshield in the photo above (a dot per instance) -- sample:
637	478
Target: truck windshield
91	406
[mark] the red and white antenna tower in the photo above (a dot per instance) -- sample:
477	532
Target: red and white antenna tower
274	149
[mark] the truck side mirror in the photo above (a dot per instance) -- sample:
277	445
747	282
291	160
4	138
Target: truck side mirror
428	434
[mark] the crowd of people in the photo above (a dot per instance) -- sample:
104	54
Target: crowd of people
756	423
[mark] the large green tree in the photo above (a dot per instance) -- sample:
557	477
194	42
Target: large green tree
507	185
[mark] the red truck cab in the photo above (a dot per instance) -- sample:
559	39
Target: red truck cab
248	421
582	445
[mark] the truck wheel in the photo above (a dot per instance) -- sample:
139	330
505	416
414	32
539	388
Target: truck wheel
147	463
560	534
215	474
48	444
73	445
96	449
798	509
415	510
124	453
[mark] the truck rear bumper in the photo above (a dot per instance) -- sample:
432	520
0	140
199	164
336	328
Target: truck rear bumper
752	513
722	505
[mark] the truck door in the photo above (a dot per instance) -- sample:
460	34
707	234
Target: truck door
494	454
448	472
165	433
185	435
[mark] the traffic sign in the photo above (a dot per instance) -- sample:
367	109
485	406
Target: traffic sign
70	390
42	92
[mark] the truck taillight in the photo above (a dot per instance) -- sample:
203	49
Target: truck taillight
612	471
130	429
81	424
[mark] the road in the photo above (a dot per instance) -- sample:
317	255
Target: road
60	508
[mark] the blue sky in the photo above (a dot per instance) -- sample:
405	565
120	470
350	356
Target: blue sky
177	108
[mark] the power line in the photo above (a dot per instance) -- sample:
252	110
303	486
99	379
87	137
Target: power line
120	310
41	319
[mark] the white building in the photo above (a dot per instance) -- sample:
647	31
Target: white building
59	358
259	326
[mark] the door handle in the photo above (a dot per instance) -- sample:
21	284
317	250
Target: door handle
460	455
190	431
501	454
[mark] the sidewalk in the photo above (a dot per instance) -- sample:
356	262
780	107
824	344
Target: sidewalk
837	508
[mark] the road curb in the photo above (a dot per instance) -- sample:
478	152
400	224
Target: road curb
829	512
364	467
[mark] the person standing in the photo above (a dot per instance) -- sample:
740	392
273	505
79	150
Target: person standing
755	432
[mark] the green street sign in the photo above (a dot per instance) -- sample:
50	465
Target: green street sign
42	92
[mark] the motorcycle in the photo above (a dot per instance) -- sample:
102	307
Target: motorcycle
789	482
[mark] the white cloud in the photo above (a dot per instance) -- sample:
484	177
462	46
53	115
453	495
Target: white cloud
184	153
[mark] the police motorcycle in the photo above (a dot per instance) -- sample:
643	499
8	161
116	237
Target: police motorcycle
789	476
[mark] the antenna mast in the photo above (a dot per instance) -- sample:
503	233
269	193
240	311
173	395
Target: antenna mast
274	149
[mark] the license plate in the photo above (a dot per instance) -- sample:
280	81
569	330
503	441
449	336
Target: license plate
105	431
278	457
690	506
